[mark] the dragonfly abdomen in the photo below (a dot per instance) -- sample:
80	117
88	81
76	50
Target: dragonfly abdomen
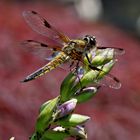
57	61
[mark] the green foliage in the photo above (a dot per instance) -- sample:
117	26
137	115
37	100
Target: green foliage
46	116
72	120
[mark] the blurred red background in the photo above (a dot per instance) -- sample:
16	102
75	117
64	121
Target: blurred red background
114	113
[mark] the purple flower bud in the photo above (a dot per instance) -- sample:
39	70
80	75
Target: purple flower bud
66	108
78	131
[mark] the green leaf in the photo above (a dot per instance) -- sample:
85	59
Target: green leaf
106	69
46	115
72	120
33	137
86	94
66	86
44	105
54	135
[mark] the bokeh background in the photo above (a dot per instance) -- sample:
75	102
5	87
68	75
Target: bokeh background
115	114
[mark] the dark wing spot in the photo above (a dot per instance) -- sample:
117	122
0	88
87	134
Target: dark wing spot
54	49
121	49
47	24
43	45
34	12
116	79
29	40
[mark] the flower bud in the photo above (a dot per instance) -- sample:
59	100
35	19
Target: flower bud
46	115
86	94
78	132
66	108
73	120
102	57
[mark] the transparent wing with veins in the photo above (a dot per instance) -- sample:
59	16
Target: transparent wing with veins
43	50
108	79
117	51
42	26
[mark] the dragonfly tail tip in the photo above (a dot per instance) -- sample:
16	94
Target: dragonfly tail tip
25	80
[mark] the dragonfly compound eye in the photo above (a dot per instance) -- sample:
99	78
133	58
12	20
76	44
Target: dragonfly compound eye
91	40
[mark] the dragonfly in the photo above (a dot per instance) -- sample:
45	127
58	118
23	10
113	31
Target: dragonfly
66	50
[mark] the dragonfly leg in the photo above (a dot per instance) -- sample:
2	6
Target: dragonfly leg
71	69
74	68
77	75
93	67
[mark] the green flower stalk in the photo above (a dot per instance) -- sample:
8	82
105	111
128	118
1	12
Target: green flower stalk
56	120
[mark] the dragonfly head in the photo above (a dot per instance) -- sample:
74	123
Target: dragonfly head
90	41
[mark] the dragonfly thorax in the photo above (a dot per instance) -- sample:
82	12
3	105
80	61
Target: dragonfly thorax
74	49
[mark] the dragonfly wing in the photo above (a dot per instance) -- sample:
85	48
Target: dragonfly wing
39	48
54	54
117	51
108	79
41	26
